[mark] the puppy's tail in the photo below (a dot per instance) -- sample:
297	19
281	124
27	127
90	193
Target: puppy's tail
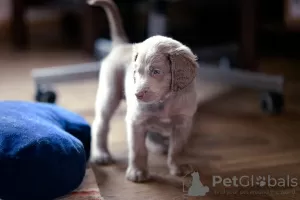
117	31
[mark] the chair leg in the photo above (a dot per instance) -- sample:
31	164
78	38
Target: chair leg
19	29
88	24
248	26
157	19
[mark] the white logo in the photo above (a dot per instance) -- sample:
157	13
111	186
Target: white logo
261	181
251	181
193	187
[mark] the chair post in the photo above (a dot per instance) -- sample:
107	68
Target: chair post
248	26
157	19
19	29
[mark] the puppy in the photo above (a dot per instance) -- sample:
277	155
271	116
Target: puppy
157	79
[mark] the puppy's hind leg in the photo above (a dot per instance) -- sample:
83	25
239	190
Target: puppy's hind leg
180	134
107	100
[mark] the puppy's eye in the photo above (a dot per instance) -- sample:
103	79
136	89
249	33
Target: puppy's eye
156	72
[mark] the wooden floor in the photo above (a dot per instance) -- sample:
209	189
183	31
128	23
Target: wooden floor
231	137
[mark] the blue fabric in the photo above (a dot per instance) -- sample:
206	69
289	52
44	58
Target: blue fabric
43	150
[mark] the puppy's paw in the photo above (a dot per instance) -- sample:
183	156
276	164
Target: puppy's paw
101	158
136	175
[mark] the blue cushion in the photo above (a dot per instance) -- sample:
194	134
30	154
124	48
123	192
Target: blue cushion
43	150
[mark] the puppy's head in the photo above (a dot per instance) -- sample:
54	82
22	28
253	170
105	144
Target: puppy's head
161	65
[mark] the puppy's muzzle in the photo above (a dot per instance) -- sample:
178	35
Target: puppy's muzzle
141	95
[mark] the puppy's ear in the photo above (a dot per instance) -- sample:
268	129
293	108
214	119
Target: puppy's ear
183	67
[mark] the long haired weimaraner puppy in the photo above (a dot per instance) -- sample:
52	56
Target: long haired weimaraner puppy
157	79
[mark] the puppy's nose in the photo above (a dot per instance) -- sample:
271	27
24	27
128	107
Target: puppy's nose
140	95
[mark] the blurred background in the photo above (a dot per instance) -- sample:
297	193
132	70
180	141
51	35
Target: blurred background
72	24
258	36
253	35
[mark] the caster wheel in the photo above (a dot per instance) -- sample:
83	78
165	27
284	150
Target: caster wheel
45	96
272	103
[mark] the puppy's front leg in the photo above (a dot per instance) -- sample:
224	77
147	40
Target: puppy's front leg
181	130
138	155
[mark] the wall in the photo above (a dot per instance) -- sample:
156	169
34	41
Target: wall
4	10
34	17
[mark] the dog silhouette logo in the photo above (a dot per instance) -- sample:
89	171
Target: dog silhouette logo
197	189
192	186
